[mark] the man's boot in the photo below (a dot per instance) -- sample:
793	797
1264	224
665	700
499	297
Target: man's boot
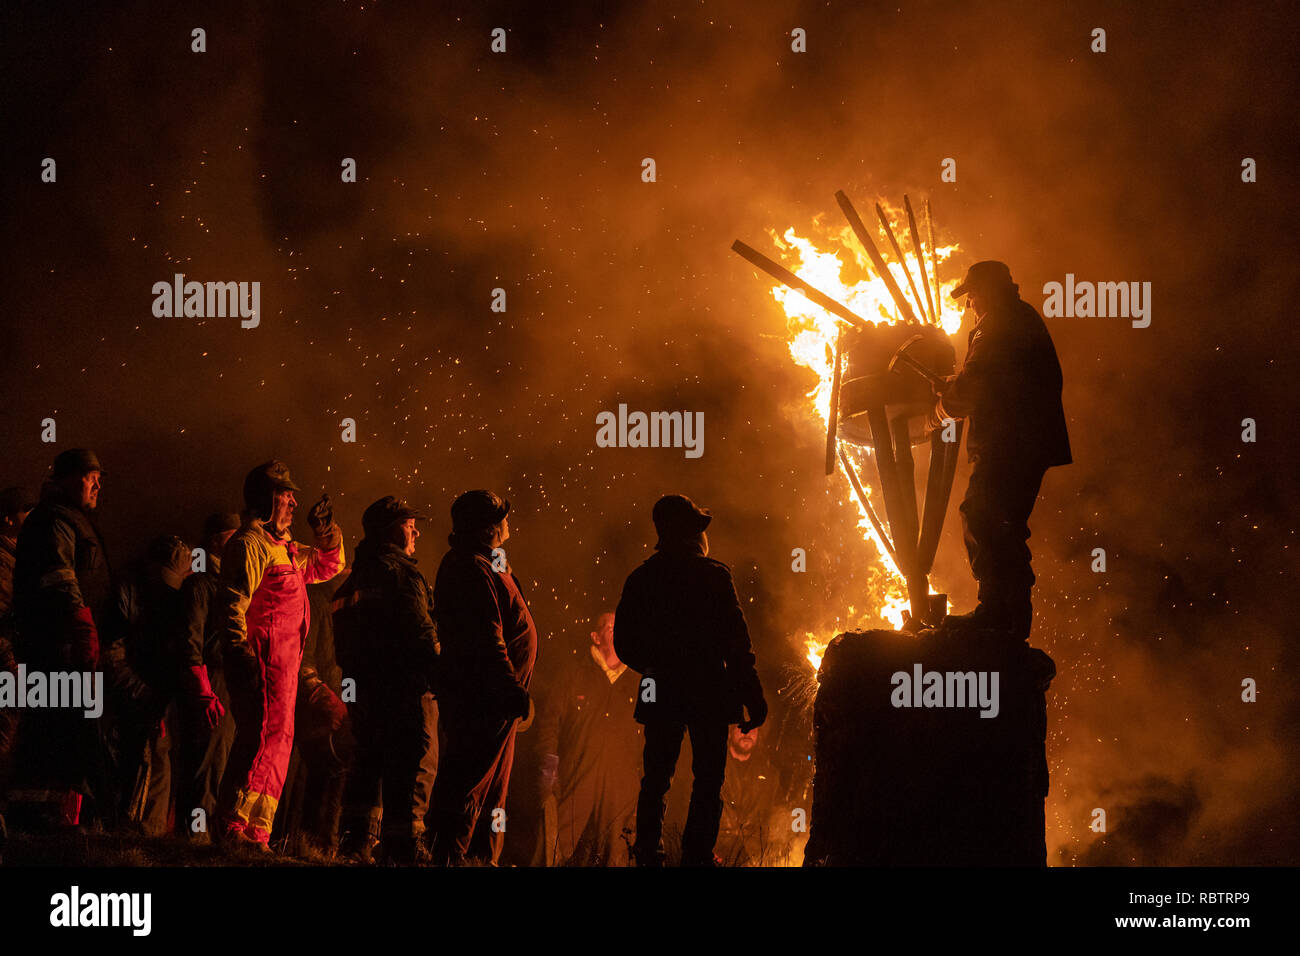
984	617
1008	617
361	837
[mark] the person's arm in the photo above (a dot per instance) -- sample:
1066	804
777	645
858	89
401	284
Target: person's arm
968	391
630	643
123	616
58	576
417	631
737	650
475	619
192	670
196	604
322	560
242	569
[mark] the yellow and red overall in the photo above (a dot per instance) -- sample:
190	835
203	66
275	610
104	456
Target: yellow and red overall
265	617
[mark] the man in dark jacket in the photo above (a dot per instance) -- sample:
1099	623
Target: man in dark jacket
1009	389
207	728
680	625
142	680
62	590
591	748
387	643
489	649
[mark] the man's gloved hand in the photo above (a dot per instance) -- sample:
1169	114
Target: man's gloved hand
321	515
550	774
935	418
321	518
757	714
326	705
205	701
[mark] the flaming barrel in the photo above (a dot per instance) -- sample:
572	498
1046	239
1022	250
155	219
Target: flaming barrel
868	383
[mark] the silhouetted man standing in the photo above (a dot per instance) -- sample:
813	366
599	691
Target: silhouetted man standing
386	641
1009	388
679	624
489	647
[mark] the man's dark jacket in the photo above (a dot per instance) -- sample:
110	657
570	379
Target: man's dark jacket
679	622
383	620
61	572
1009	390
488	638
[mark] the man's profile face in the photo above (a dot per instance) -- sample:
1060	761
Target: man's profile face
978	302
90	490
501	532
408	532
282	506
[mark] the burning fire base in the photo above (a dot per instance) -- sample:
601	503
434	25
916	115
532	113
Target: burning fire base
924	756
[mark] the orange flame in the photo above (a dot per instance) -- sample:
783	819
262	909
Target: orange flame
811	334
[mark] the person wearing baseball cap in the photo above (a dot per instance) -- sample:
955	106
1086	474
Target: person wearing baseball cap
385	639
263	615
489	648
680	625
1009	393
63	589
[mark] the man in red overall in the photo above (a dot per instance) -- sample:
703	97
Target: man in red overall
263	617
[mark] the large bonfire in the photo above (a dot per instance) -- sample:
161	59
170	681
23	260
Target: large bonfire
812	333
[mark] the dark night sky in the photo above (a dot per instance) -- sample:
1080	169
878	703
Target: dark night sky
522	171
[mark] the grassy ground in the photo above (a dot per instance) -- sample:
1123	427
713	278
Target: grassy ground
90	848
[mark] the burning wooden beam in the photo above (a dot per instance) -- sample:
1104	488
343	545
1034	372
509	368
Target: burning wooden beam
938	490
833	416
787	278
866	504
859	230
934	266
902	259
920	257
